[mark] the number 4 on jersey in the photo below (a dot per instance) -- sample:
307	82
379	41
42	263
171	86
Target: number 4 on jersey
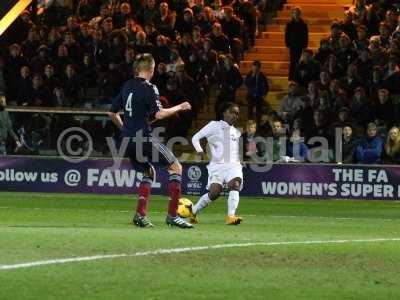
128	105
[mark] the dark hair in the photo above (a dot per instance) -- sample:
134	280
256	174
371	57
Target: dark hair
224	106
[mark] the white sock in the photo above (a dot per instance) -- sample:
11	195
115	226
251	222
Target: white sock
201	204
233	202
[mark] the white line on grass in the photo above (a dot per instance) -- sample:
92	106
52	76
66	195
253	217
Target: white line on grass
182	250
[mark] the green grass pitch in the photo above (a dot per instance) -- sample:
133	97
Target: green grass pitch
40	227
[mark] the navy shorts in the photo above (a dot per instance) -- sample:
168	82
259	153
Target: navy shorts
149	153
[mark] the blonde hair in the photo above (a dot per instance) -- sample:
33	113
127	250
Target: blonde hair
251	123
392	147
144	63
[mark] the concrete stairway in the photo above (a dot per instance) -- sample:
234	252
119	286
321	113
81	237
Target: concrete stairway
271	51
270	45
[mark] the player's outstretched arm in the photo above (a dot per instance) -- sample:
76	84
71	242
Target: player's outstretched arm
168	112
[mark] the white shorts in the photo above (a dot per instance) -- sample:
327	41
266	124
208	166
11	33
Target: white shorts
223	173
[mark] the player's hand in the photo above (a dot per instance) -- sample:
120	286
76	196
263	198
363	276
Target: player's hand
185	106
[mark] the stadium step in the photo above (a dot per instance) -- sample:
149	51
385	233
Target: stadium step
310	21
322	2
331	14
311	28
318	7
312	36
272	50
280	42
266	56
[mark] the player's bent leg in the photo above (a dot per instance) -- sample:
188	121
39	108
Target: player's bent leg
174	190
233	201
213	194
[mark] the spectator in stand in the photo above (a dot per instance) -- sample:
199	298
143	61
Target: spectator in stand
50	81
383	111
345	53
231	25
6	127
324	80
62	61
333	68
348	146
86	10
250	151
359	8
229	80
336	33
185	47
378	54
219	40
384	36
364	65
361	42
71	85
391	154
296	149
359	108
30	45
369	150
132	28
125	12
160	78
126	67
296	39
392	83
186	23
348	26
42	59
162	51
278	142
148	13
307	70
351	81
248	13
142	45
257	89
291	104
16	60
24	87
376	82
151	32
337	97
40	96
110	84
165	21
99	50
324	51
88	72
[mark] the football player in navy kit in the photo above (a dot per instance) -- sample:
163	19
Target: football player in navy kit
139	100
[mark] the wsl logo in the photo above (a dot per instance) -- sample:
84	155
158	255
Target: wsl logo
194	185
194	173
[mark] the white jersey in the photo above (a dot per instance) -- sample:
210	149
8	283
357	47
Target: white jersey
223	140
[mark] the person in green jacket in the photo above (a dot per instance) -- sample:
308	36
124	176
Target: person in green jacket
6	127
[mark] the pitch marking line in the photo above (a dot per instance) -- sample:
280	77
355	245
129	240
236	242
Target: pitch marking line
182	250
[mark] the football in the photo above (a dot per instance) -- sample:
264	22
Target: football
183	207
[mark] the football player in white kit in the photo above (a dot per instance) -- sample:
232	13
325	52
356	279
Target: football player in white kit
224	167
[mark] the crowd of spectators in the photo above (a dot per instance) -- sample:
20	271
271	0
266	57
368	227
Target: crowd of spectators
351	82
78	53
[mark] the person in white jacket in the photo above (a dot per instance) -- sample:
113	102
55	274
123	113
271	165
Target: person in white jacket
224	167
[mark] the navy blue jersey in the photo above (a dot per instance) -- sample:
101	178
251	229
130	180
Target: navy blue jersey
140	101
